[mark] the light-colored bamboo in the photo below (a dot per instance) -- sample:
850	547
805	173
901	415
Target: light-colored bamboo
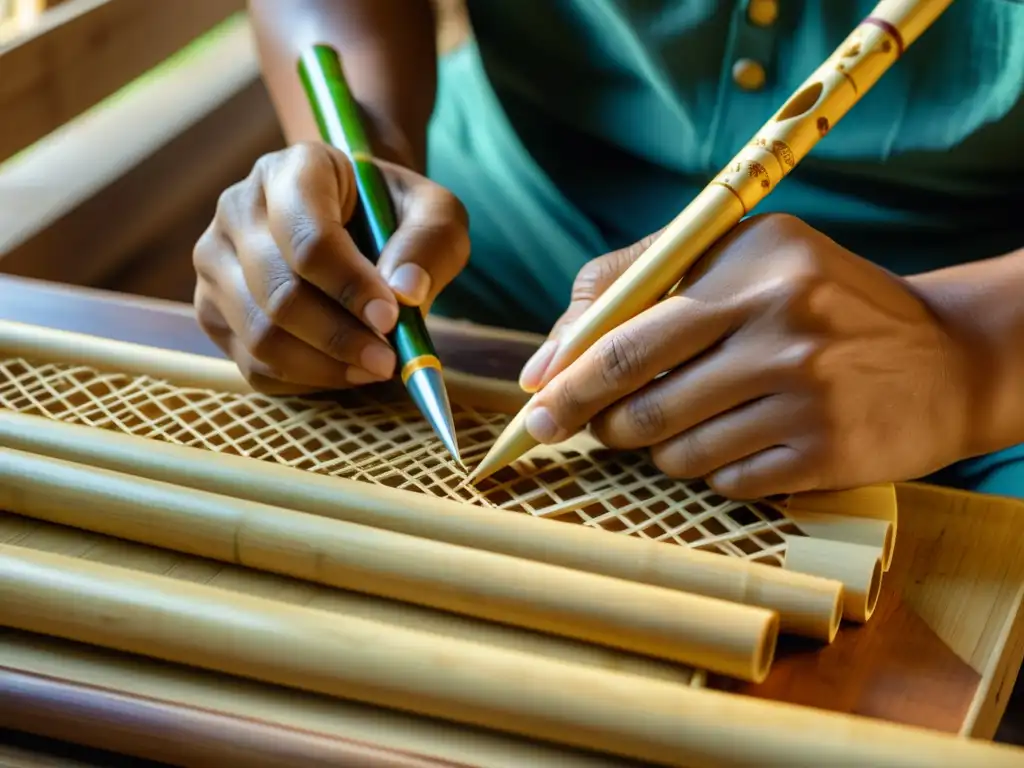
871	502
465	682
34	342
758	168
62	540
716	635
859	567
194	688
807	605
868	531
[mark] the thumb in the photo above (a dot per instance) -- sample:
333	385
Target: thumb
593	279
430	245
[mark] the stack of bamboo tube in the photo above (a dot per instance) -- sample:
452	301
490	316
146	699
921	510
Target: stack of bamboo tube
627	594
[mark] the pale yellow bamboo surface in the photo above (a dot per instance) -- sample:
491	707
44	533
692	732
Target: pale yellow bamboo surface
716	635
298	710
375	436
857	566
466	682
28	533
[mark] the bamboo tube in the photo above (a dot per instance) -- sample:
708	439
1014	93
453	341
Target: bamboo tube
873	502
35	342
729	638
61	540
859	568
191	689
869	531
182	734
464	682
807	605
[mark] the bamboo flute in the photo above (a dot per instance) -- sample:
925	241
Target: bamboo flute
807	605
820	102
464	682
719	636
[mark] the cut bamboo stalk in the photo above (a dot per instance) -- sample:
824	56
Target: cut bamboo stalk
871	532
184	369
61	540
859	567
719	636
807	605
874	502
78	713
465	682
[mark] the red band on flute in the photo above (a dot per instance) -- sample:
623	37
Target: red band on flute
893	32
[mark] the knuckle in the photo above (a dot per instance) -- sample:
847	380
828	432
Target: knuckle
621	356
282	293
645	415
685	457
309	244
338	342
568	399
260	337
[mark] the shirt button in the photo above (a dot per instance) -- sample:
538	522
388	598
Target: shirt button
763	13
748	74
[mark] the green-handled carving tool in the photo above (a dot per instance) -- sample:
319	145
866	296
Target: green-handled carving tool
340	125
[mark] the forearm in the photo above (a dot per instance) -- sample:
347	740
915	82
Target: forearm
984	303
388	50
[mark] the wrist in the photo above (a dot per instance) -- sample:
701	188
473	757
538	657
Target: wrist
982	370
401	144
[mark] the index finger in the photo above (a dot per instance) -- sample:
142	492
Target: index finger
622	362
310	197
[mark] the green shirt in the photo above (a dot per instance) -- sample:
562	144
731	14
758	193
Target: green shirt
573	127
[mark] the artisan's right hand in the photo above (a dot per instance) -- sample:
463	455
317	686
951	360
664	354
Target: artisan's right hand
284	290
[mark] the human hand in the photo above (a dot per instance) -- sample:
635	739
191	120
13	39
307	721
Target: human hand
790	365
283	289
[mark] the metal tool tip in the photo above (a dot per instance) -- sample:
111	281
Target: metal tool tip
426	386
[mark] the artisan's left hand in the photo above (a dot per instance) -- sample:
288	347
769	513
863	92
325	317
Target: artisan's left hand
792	365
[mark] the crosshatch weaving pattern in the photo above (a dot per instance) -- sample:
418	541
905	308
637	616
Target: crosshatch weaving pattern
377	436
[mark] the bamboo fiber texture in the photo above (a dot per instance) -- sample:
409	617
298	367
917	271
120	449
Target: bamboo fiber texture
719	636
807	605
464	682
155	698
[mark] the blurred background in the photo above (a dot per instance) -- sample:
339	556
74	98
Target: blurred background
121	121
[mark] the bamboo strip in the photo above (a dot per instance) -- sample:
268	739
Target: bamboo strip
465	682
869	531
807	605
729	638
859	567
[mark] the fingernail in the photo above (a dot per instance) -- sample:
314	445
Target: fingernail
533	372
378	360
543	428
411	282
381	314
358	377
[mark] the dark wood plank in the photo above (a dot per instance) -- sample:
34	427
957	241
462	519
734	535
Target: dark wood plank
893	668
